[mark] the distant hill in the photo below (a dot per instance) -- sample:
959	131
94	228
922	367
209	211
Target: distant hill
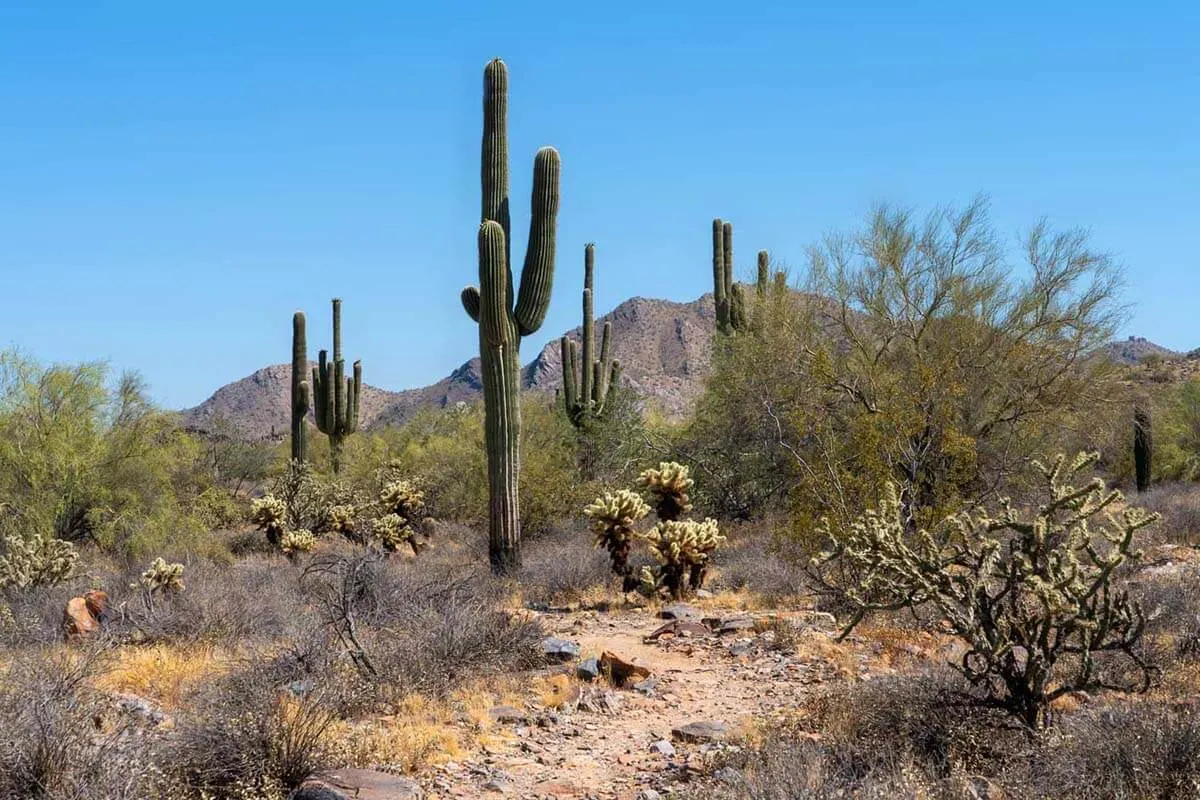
664	348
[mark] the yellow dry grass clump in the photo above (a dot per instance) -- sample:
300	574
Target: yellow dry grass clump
161	673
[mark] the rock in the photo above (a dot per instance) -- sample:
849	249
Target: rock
498	786
588	670
647	686
699	732
648	794
679	627
604	702
680	611
507	715
359	784
84	615
560	651
736	625
620	671
663	748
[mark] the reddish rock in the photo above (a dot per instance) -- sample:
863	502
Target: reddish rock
84	616
620	671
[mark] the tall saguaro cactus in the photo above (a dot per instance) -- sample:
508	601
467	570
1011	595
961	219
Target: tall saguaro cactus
1143	446
336	396
502	318
587	386
733	313
300	389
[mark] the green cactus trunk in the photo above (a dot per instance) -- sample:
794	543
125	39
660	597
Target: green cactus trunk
587	397
728	295
1143	446
300	389
502	322
336	397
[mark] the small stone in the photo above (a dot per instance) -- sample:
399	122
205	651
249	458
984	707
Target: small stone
588	670
507	714
663	748
560	651
699	732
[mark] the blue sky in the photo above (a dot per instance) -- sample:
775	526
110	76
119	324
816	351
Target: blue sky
177	178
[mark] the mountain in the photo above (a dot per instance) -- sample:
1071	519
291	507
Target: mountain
664	349
1137	349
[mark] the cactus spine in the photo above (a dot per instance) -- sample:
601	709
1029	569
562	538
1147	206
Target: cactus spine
1143	446
502	322
300	389
336	396
588	386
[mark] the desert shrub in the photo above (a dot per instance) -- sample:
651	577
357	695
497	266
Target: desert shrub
418	628
1140	750
755	560
254	600
1033	597
1179	505
250	731
561	568
50	745
894	736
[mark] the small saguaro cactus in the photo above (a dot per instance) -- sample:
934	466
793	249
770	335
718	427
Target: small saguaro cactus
301	394
503	319
588	385
1143	446
336	396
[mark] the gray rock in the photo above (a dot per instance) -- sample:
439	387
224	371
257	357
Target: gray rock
359	784
588	670
736	625
507	715
699	732
663	748
560	651
647	686
680	611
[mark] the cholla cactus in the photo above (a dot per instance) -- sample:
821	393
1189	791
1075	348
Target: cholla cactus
293	543
682	549
613	516
341	519
403	498
669	485
35	560
1052	568
268	514
392	531
162	578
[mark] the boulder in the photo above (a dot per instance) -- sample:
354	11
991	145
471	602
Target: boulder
699	732
358	784
588	670
620	670
84	616
560	651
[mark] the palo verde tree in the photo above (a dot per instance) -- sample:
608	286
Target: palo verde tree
336	396
502	318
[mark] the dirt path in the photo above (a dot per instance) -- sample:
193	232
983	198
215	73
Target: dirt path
614	743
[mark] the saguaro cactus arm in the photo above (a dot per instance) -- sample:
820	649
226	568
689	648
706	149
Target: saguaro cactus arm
588	382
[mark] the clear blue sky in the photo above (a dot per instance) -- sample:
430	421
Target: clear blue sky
177	178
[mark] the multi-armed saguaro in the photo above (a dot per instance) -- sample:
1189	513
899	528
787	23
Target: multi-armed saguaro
335	396
300	389
730	297
502	318
588	386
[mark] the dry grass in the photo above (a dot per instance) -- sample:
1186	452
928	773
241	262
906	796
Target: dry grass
420	733
162	673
